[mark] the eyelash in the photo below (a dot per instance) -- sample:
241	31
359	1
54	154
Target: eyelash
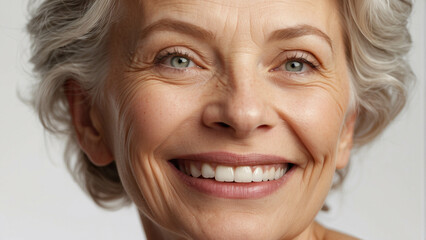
302	57
297	56
159	60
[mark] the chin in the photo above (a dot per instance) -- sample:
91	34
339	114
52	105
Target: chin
244	226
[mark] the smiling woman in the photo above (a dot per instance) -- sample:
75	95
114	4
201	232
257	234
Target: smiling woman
219	119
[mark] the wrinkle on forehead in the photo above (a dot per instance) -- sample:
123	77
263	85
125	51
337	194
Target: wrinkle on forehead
239	16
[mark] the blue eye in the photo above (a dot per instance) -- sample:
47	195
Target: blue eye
180	62
294	66
175	59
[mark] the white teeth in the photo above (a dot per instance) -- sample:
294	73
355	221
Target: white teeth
207	171
271	173
257	174
243	174
265	176
195	172
224	174
277	174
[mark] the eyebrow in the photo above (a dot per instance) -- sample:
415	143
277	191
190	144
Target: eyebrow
299	31
177	26
186	28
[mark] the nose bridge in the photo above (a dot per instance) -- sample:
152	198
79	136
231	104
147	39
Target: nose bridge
241	70
243	108
244	100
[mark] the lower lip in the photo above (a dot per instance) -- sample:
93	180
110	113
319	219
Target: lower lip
233	190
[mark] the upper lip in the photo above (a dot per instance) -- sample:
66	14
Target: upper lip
227	158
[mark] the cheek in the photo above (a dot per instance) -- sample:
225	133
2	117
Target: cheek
316	117
152	113
156	113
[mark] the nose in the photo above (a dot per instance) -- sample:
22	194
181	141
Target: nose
241	112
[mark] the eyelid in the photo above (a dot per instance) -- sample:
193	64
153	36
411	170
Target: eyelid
302	55
170	53
178	51
298	55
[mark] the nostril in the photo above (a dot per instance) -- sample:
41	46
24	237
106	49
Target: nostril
263	126
222	124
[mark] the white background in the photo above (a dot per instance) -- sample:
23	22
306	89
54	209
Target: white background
382	199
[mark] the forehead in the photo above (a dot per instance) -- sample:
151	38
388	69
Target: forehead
253	19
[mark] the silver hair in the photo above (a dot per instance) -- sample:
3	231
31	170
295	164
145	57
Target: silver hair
69	41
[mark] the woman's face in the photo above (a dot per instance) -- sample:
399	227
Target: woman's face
252	95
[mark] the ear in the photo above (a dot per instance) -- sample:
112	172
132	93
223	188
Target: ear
87	125
346	141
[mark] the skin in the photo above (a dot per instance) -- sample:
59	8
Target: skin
236	96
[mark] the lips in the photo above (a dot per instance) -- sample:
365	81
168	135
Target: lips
232	175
